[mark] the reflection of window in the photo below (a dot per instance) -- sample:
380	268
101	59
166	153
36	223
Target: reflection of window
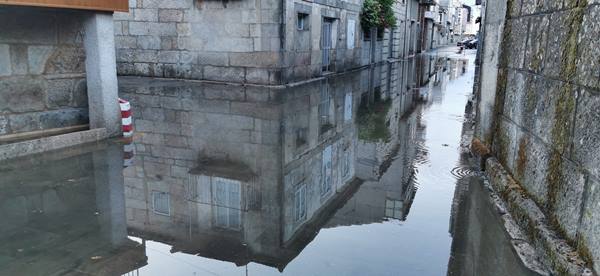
348	107
302	23
393	209
300	203
161	203
325	120
326	171
301	136
346	165
227	202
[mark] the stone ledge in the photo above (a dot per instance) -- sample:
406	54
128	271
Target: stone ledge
51	143
554	252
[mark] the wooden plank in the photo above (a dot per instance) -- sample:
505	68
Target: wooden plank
17	137
98	5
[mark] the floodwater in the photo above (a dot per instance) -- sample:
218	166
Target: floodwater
313	179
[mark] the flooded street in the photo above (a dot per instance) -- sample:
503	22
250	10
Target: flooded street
353	174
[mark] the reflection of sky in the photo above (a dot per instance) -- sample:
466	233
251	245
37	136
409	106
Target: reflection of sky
418	246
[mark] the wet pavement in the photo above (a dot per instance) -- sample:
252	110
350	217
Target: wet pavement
364	173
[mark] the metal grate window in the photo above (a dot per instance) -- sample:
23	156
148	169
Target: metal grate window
161	203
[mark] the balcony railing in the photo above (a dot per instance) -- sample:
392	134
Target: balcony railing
99	5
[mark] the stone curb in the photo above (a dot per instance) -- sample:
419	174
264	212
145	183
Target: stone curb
20	149
522	215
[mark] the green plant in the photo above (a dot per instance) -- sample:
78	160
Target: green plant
378	14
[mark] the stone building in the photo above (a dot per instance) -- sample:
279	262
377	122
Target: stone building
260	42
57	74
537	116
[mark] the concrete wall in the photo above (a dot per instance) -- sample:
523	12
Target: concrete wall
42	69
546	103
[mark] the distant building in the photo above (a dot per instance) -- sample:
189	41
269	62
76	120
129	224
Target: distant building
472	26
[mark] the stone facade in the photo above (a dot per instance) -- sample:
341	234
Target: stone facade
286	154
544	110
259	42
42	70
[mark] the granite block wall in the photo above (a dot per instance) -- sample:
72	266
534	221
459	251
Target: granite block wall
236	41
42	70
243	41
546	113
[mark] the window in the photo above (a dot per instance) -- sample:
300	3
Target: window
300	203
367	35
380	33
351	29
326	171
302	22
161	203
227	201
327	42
393	209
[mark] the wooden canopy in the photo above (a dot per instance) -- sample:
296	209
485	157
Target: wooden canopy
98	5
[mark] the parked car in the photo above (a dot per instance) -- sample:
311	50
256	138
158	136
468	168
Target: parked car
463	43
472	44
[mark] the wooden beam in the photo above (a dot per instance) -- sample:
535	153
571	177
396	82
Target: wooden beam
17	137
97	5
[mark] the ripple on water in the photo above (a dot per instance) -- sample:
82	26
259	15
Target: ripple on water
462	172
422	155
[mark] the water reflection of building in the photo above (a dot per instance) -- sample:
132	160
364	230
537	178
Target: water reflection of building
234	173
66	218
249	174
391	196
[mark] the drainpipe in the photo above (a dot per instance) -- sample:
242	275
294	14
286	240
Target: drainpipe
406	20
282	37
